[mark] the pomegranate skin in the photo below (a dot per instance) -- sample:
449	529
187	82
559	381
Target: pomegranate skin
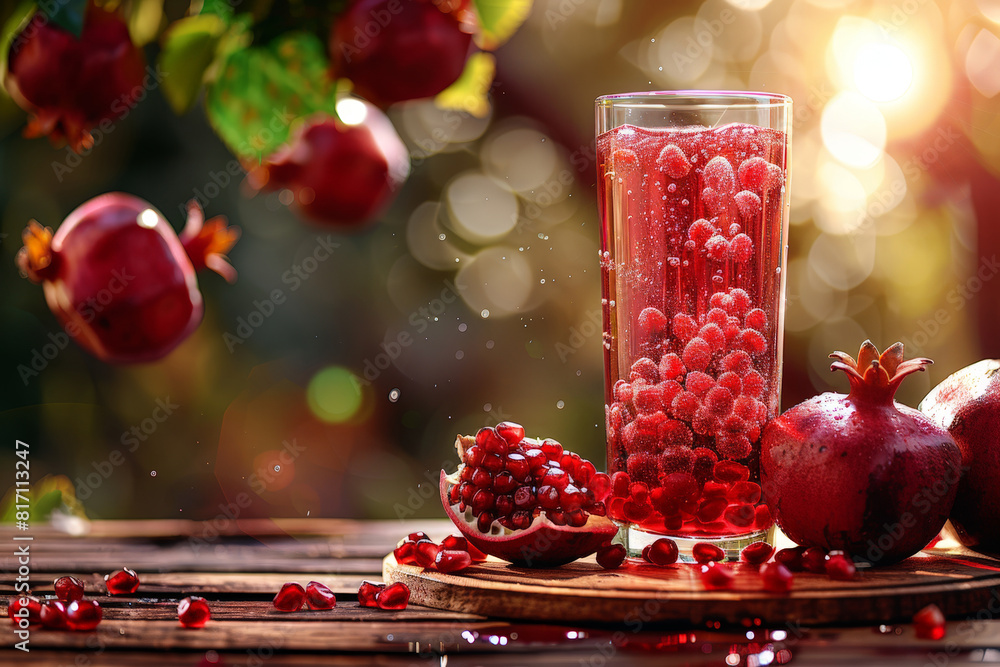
396	50
967	404
118	278
70	85
860	473
342	174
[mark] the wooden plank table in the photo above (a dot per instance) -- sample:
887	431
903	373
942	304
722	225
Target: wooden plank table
240	569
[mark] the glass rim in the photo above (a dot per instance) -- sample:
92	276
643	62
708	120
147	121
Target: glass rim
692	99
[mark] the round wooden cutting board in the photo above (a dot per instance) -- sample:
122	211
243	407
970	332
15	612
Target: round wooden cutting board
960	582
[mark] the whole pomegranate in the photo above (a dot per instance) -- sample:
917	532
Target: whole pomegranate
395	50
526	501
70	85
118	278
860	473
342	171
967	403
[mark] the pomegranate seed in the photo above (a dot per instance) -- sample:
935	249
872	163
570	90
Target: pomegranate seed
731	472
548	497
485	522
122	582
756	553
193	612
814	560
600	486
518	467
644	369
53	615
705	552
776	577
929	623
493	463
406	553
473	458
620	483
645	553
393	597
319	596
482	478
683	325
490	441
482	501
419	536
512	433
368	593
68	589
712	508
290	597
839	567
652	322
452	561
552	449
611	556
790	558
33	606
716	576
662	552
83	615
426	553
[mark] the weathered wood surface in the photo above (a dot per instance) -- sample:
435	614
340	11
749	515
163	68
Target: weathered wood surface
241	568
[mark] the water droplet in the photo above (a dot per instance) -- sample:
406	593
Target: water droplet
485	313
822	449
560	404
394	395
442	237
152	473
611	303
542	281
672	187
462	327
459	354
490	344
277	468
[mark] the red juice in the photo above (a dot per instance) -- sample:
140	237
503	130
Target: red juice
692	246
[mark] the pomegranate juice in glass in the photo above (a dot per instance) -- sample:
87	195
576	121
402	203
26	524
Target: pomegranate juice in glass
693	190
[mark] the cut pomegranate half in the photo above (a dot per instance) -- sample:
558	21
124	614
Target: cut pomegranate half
526	501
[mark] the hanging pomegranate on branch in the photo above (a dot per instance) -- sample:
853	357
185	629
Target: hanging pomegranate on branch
118	278
72	70
296	94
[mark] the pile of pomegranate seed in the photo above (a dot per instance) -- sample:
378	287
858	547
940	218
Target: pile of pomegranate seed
193	612
391	597
453	554
69	611
122	582
510	479
292	596
929	623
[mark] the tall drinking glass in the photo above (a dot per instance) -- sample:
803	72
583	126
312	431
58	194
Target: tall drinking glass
693	189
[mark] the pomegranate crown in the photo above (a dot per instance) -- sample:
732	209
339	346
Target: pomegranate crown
875	377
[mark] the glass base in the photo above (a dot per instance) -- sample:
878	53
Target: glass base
635	539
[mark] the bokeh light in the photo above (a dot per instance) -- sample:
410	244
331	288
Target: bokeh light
334	394
853	129
882	72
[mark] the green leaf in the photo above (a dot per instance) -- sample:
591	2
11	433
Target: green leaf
12	26
221	8
189	47
260	91
499	20
68	15
470	92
